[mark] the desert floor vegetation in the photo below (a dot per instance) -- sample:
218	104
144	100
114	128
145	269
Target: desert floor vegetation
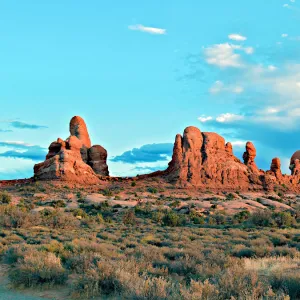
148	243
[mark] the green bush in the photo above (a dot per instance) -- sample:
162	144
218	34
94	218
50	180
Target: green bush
152	190
284	219
171	219
5	197
262	218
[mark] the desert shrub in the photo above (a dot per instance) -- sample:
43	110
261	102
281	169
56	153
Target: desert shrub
198	220
230	197
241	216
58	219
172	219
262	218
107	192
237	283
121	279
129	217
5	197
152	190
143	209
81	263
288	282
17	217
133	183
157	216
244	252
285	251
38	268
78	212
199	290
278	240
14	253
284	219
58	203
175	204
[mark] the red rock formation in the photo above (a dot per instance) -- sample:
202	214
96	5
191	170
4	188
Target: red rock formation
74	159
97	157
276	166
203	160
78	128
294	163
249	157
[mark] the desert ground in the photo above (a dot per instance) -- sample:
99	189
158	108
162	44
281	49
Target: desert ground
147	239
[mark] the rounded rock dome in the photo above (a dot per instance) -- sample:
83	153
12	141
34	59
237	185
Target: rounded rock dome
295	156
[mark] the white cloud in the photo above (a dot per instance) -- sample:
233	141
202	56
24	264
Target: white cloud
286	5
228	118
226	55
272	68
220	87
152	30
284	35
204	119
271	110
239	144
236	37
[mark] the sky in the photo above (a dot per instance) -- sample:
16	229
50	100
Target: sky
139	72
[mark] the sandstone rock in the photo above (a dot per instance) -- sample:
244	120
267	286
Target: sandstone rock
202	159
55	147
97	157
74	159
228	148
66	165
187	157
293	162
78	128
296	168
276	166
249	157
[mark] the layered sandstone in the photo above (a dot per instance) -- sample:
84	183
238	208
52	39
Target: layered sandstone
74	159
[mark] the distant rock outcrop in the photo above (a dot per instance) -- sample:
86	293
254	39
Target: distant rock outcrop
74	159
202	159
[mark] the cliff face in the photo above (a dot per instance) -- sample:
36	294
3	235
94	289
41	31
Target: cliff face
74	159
202	159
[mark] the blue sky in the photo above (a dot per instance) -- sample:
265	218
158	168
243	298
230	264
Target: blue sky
139	72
